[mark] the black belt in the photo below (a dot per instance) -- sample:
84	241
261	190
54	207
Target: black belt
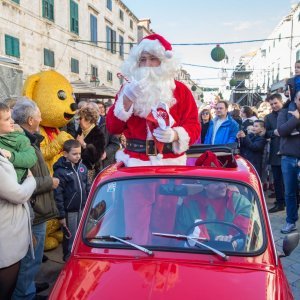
148	147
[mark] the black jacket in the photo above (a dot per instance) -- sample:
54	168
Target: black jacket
112	145
204	128
252	148
95	143
290	84
42	199
73	189
289	144
271	125
243	126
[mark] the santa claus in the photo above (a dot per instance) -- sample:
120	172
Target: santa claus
156	113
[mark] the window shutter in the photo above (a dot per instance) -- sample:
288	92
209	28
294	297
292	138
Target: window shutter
49	58
108	38
93	25
12	46
74	26
8	45
114	40
298	55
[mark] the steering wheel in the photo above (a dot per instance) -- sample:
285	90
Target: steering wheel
239	236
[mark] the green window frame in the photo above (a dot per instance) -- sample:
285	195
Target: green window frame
121	46
74	20
109	76
111	39
94	71
74	65
94	28
12	46
48	9
49	58
109	4
298	55
121	15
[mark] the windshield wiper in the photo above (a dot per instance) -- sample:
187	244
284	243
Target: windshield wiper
193	239
124	241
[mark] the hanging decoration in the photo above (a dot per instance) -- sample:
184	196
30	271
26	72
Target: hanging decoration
218	53
232	82
193	88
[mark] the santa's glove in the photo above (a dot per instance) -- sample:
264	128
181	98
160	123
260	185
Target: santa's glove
62	137
133	90
164	136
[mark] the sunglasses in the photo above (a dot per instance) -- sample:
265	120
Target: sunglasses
205	113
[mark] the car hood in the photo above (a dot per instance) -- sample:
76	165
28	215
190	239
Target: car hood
150	279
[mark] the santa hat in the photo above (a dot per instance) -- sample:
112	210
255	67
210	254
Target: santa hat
156	37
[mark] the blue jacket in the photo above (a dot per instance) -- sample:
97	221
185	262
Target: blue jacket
226	133
73	189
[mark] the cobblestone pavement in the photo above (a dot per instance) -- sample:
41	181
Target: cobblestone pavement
50	269
291	264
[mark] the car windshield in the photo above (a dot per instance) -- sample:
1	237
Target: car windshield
176	214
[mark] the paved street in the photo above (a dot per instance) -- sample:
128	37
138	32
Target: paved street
291	264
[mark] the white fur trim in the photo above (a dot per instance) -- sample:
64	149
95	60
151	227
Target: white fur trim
154	160
182	144
168	54
120	112
177	161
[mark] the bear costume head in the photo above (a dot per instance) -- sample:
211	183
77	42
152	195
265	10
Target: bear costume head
53	94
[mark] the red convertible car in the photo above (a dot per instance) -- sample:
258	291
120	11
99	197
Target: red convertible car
176	232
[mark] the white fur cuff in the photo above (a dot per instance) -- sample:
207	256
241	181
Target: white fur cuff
119	110
182	144
153	160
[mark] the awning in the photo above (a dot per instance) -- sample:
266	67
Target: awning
104	91
80	87
85	88
10	63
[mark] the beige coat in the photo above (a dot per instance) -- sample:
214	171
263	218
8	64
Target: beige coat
15	228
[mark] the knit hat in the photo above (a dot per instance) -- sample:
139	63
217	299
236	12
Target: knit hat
162	41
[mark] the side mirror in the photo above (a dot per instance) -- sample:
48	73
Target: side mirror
290	242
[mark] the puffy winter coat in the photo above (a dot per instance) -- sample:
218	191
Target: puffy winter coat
73	189
226	133
15	227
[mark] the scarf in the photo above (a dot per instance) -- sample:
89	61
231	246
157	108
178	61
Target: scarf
87	131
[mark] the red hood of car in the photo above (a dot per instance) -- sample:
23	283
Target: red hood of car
151	279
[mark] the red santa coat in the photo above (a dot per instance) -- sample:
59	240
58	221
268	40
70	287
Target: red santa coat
185	114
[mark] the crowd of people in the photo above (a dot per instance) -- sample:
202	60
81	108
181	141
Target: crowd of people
153	121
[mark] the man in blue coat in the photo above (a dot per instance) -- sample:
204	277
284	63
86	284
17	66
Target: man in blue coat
222	129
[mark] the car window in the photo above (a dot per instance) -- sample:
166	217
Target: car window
152	211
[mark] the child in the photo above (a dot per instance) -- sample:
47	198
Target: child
253	145
72	192
14	145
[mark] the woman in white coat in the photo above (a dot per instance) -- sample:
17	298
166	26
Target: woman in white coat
15	227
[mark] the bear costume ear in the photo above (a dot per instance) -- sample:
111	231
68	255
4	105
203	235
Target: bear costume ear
29	85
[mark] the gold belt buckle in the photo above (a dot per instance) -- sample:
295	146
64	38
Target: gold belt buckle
148	146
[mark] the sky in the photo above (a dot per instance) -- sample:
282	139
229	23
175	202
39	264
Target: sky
196	21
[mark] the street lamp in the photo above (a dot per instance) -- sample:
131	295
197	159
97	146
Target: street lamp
95	80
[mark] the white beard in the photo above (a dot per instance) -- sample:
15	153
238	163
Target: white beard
157	89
